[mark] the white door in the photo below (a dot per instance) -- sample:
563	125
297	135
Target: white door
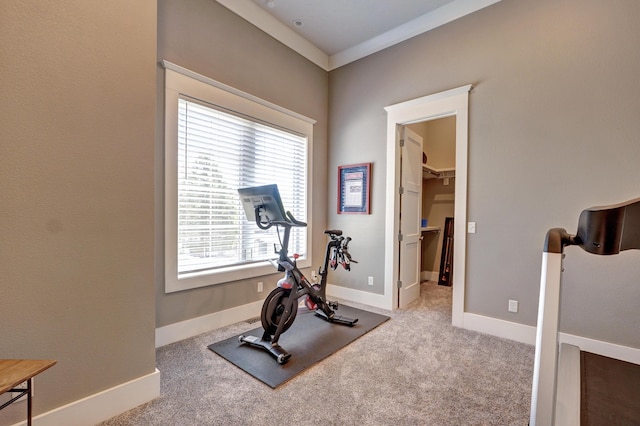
410	212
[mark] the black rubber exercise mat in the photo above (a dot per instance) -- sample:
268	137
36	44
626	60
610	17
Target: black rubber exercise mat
309	340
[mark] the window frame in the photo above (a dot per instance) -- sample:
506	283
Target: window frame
180	81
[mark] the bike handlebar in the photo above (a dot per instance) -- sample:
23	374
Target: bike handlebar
292	221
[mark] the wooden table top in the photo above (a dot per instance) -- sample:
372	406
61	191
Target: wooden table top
15	371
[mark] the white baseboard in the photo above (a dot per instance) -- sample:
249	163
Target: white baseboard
119	399
359	296
500	328
103	405
429	275
183	330
112	402
527	334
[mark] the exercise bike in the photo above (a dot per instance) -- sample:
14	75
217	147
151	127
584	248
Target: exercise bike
279	310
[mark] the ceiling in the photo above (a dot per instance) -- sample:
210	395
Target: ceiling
332	33
336	25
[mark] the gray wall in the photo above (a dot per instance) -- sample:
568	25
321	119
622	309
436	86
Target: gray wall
553	129
77	122
207	38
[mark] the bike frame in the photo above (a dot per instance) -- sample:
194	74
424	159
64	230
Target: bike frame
263	204
302	286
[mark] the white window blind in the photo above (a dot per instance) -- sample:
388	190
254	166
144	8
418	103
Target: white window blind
219	152
219	139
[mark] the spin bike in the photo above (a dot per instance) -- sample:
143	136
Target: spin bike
280	307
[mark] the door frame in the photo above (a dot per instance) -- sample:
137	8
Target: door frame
438	105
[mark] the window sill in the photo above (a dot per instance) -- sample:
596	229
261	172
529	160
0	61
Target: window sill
220	276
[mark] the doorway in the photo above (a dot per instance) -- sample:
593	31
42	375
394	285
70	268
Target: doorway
451	102
438	198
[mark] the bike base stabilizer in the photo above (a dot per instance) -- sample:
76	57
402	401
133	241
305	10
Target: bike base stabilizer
338	319
274	349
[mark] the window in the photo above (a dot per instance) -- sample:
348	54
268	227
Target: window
217	140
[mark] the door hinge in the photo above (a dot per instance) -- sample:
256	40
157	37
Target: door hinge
399	284
401	143
400	236
401	190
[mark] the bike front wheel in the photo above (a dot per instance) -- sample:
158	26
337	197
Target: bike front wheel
273	311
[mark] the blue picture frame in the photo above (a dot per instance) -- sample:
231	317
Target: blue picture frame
354	188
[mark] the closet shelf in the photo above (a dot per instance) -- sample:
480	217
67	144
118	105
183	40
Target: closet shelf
430	229
429	172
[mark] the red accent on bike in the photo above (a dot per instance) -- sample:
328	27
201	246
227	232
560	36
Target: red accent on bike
310	304
286	283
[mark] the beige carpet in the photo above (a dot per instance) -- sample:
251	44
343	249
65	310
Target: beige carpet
415	369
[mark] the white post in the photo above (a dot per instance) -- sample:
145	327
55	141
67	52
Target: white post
543	393
568	386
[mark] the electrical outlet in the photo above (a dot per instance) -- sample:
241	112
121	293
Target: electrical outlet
370	282
513	306
260	286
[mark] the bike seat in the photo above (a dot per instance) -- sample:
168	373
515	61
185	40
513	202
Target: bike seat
337	232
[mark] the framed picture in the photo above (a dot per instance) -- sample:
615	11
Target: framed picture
354	188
